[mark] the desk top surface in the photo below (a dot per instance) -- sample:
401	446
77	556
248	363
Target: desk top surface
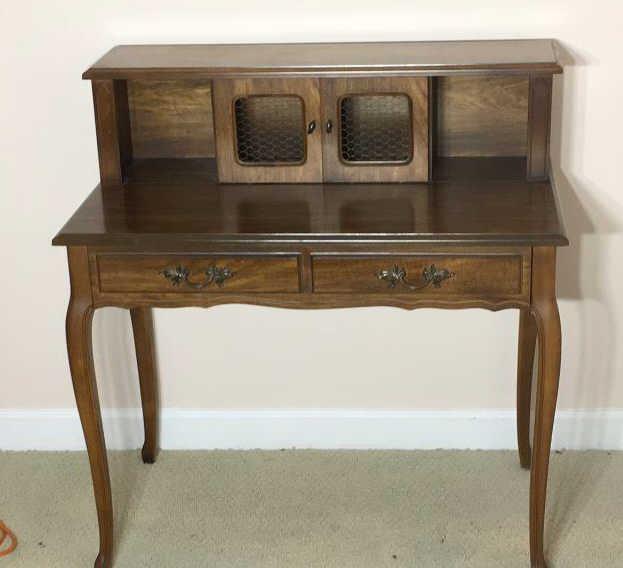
174	213
327	59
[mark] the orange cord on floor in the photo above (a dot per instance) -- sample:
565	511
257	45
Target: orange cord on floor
7	533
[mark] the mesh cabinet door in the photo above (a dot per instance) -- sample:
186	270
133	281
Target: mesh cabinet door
375	130
266	130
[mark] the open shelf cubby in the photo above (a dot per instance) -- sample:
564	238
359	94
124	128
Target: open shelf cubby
475	125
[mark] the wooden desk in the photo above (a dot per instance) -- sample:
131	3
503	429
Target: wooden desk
480	231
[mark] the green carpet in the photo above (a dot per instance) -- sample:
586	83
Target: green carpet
313	509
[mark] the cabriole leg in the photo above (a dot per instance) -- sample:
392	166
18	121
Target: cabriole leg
79	348
525	361
545	310
143	328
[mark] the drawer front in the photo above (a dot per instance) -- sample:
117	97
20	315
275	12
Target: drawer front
504	275
184	274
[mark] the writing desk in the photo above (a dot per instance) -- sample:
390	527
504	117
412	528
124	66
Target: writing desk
320	176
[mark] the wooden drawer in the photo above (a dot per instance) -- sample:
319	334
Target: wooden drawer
497	275
196	273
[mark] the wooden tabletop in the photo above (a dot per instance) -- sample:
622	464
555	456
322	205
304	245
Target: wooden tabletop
155	214
327	59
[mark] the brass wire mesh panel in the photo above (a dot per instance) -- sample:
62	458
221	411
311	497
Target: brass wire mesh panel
376	128
270	129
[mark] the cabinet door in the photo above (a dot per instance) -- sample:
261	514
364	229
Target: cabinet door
266	130
375	129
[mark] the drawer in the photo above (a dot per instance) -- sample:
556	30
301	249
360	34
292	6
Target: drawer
200	273
502	275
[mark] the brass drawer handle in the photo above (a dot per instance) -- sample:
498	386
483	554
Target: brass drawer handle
430	275
213	275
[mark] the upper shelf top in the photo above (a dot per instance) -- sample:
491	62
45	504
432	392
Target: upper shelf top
327	59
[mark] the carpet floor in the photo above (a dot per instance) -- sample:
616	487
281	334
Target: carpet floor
306	508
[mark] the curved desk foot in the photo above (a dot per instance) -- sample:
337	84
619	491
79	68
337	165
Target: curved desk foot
148	454
79	348
525	361
545	310
143	329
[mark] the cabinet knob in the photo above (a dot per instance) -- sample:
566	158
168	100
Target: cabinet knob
329	126
311	127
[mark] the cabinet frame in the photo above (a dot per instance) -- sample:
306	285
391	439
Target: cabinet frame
337	170
230	169
321	100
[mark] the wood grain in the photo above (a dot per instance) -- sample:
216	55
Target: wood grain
143	331
196	214
80	352
335	169
171	119
545	311
160	226
107	128
482	116
327	59
303	301
539	126
497	297
495	275
525	362
124	127
230	170
143	273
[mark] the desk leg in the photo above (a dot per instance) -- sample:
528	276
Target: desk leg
525	362
79	348
545	310
143	328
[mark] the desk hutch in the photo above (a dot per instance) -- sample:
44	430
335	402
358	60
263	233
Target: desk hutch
320	176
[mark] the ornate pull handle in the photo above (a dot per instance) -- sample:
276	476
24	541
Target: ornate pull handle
311	127
431	275
213	275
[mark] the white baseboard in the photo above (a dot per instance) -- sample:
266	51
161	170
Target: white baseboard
323	429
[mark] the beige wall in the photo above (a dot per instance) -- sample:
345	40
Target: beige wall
251	357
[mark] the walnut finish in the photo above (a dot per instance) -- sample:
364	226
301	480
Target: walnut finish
113	130
163	230
143	329
482	116
539	126
525	362
171	119
230	170
79	347
192	213
495	274
327	59
337	170
545	310
128	273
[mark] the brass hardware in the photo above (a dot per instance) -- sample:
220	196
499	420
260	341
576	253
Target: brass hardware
176	275
329	126
430	275
311	127
213	275
218	275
